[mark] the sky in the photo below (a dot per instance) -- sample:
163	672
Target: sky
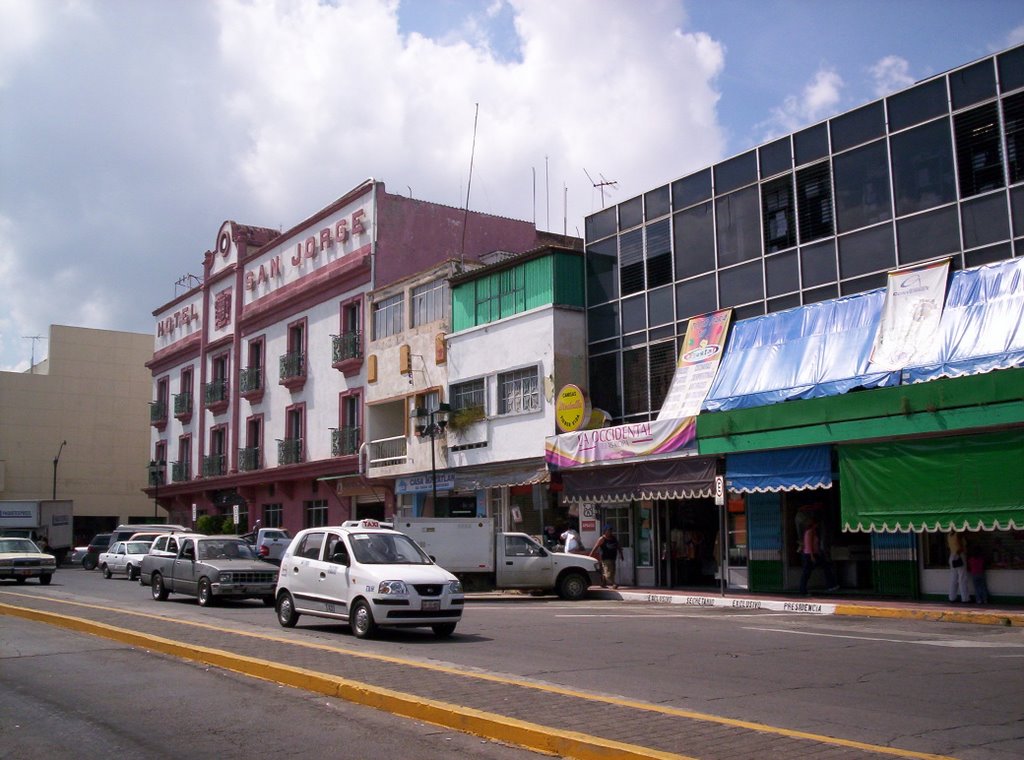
130	131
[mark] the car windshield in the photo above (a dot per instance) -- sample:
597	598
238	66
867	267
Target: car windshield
387	549
225	548
138	547
18	545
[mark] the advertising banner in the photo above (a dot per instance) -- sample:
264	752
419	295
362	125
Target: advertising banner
622	442
910	315
698	363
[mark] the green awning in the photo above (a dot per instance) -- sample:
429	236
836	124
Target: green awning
973	482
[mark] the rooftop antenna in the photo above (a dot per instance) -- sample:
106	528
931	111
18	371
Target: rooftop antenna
32	361
186	281
469	185
600	185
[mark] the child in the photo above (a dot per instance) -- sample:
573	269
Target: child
976	569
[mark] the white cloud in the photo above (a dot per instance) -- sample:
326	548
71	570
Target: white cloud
819	99
1015	36
890	74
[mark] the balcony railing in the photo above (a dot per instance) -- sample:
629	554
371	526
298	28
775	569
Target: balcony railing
348	345
213	465
249	458
250	379
182	404
388	451
289	451
293	366
181	471
216	392
345	441
157	411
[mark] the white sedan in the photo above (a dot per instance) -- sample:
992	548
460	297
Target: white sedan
21	559
124	557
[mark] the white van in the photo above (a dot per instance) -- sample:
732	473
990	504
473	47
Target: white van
367	576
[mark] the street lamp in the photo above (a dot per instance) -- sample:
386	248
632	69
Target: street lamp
156	474
55	460
432	423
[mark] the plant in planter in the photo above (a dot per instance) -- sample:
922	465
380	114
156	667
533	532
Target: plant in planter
460	419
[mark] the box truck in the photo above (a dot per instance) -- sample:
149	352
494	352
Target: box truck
47	522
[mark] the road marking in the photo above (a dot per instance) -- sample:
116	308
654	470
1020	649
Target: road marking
224	659
954	643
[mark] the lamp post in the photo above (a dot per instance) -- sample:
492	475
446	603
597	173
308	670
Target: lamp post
55	460
156	474
432	422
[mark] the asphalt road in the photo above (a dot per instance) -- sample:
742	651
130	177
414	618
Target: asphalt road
950	689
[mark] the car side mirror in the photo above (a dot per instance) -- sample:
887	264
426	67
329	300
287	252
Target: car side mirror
340	558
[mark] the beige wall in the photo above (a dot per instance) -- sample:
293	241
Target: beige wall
93	391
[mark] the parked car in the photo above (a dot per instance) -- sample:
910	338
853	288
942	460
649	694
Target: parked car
208	568
269	543
100	543
78	554
21	559
124	557
368	577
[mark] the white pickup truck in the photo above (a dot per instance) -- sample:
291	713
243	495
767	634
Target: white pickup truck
269	543
484	558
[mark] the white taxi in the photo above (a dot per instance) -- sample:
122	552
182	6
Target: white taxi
367	576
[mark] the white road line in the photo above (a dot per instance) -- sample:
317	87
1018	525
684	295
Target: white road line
953	643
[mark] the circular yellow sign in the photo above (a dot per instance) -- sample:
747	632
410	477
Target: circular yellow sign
572	408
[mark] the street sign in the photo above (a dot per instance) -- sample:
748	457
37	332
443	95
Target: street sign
720	490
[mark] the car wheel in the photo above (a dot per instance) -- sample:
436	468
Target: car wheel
106	572
573	586
361	620
157	587
286	614
443	630
89	563
44	580
132	573
206	598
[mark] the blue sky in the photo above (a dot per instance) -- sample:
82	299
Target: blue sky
129	131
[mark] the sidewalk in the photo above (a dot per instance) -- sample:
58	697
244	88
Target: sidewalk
822	604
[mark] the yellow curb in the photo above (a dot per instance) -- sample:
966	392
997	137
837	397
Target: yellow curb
943	616
468	720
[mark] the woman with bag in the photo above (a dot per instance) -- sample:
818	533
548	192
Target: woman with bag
957	567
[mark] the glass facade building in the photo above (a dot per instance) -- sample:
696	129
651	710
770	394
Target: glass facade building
933	171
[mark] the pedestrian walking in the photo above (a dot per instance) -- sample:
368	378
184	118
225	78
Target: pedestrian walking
957	567
610	550
812	557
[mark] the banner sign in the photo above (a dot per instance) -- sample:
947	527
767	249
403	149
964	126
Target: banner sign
910	315
621	442
425	483
698	363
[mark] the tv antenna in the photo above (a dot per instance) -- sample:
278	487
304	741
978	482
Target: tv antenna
32	361
600	185
186	281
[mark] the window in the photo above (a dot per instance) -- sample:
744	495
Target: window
315	512
741	284
776	157
658	246
634	314
601	224
973	84
290	450
182	469
922	167
859	126
985	220
604	383
656	203
310	545
866	251
518	391
917	104
978	151
601	281
387	316
862	187
634	381
249	457
429	302
818	264
468	395
251	377
692	189
925	236
738	222
631	213
631	264
1013	118
662	370
811	144
735	172
694	231
273	515
777	214
697	296
782	274
814	202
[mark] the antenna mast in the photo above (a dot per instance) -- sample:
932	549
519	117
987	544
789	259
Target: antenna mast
32	361
601	185
469	185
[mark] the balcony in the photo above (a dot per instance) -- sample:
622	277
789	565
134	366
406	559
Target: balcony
250	384
249	459
293	370
347	352
345	441
289	451
213	465
183	407
385	452
181	471
158	414
215	395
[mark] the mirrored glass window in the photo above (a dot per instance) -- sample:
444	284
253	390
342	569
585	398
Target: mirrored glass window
697	296
985	220
631	213
776	157
694	233
738	222
978	150
972	84
818	263
862	186
659	306
926	236
811	144
814	202
634	314
602	283
601	224
922	162
736	172
918	104
782	273
778	214
657	203
1013	126
858	126
866	251
603	322
741	284
692	189
604	383
1011	69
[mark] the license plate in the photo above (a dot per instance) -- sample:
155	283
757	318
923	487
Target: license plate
431	606
23	572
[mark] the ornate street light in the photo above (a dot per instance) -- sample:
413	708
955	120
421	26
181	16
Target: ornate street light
432	422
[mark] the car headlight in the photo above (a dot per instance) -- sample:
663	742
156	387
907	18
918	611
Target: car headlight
393	587
224	577
455	587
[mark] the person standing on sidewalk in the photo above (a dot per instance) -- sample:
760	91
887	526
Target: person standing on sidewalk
608	546
976	568
957	566
812	556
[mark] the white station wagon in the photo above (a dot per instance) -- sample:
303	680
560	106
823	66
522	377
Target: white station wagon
369	577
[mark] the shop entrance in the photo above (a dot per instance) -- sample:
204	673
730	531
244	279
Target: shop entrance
618	518
691	549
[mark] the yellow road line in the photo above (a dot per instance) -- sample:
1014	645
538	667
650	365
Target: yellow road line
621	702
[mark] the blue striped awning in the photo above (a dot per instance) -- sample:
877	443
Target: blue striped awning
780	470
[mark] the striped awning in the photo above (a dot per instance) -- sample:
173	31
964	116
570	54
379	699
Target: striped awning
685	478
798	469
